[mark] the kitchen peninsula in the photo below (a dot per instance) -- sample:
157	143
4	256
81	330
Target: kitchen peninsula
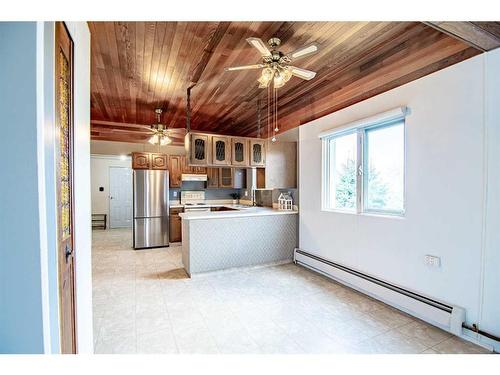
241	237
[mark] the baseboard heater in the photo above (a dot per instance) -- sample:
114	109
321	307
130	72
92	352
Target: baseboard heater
434	312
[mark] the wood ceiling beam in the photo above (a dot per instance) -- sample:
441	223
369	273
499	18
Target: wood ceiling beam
484	36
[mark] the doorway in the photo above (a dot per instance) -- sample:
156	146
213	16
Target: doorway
120	197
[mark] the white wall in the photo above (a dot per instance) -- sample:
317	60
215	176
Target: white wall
21	312
125	148
444	192
281	165
491	296
100	178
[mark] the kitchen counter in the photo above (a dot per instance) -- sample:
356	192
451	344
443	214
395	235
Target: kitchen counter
249	236
239	211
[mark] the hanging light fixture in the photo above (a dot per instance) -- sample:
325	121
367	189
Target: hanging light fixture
160	136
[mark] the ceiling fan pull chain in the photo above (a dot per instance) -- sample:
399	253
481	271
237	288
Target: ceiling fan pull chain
258	118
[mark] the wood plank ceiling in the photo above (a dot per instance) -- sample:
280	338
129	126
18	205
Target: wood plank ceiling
140	66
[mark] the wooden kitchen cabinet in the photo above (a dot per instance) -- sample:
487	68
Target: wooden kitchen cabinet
192	169
175	165
234	178
226	177
159	161
199	149
141	160
221	150
175	226
257	153
239	152
212	178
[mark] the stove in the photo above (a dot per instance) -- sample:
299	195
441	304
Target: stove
194	201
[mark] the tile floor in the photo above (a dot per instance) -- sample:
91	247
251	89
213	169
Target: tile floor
145	303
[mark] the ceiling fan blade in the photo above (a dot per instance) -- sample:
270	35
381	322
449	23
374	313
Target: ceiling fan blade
304	51
302	73
260	45
244	67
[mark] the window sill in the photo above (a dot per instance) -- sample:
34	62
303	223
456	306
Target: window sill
369	214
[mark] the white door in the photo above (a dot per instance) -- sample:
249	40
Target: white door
120	197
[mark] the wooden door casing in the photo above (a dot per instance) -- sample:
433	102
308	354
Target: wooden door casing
64	174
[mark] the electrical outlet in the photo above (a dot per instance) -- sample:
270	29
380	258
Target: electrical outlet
175	194
432	261
246	193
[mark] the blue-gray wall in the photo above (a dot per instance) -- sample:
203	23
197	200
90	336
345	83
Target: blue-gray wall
21	329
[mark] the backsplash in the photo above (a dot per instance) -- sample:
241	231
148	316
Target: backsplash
210	194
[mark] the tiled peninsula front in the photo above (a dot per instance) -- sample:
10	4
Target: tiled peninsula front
214	241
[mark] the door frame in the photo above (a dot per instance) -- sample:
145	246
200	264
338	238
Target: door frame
60	27
109	195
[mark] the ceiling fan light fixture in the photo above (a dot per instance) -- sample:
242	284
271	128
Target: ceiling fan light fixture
165	140
154	139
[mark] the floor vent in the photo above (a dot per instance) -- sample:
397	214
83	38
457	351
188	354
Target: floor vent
437	313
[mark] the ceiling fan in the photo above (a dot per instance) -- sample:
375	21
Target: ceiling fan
275	64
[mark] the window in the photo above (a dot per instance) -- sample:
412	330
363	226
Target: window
364	166
342	172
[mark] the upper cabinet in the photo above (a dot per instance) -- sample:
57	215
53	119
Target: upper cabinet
175	165
199	149
141	160
221	150
148	160
257	153
239	152
159	161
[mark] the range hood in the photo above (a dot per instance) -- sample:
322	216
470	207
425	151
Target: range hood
193	177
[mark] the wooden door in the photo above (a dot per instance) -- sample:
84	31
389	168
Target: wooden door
141	160
239	152
158	161
212	178
221	150
64	170
120	197
257	153
175	165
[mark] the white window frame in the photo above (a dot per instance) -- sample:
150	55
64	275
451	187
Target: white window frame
386	119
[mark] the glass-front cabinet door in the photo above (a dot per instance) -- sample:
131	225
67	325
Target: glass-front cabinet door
199	149
239	152
257	153
221	150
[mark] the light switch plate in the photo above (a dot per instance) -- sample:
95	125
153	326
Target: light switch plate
432	261
175	193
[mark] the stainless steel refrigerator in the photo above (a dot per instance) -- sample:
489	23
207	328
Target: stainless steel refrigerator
151	209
